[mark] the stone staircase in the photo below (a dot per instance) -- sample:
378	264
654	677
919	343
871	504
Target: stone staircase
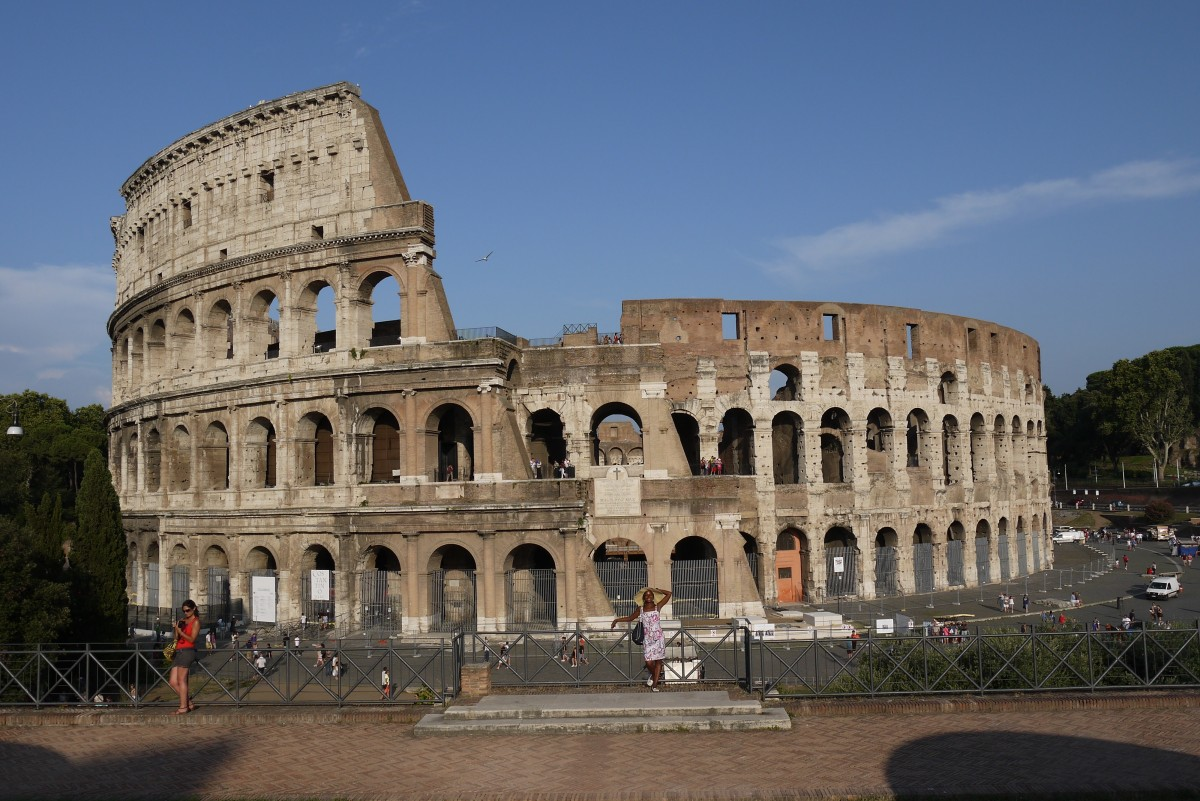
606	713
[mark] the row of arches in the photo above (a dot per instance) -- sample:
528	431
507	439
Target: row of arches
257	327
923	560
786	384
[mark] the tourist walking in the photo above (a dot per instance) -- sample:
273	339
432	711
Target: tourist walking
654	644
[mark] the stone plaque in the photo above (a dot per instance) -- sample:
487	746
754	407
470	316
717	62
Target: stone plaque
618	494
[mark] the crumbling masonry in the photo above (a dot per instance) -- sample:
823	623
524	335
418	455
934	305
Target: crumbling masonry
293	404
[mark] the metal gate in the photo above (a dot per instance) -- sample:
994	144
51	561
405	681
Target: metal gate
752	560
1002	546
1037	552
923	566
694	588
531	599
152	585
254	616
315	608
983	561
621	581
180	586
954	563
1022	556
218	593
381	596
886	558
452	600
843	581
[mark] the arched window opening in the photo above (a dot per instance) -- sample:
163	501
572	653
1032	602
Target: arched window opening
955	542
835	427
264	585
156	351
979	447
878	440
153	460
887	560
736	445
318	591
218	332
951	451
694	579
451	444
215	458
791	553
918	429
620	565
314	451
548	444
615	426
688	430
385	445
262	325
183	341
750	548
137	352
947	388
787	448
385	310
381	592
131	460
922	543
530	588
216	563
260	454
784	383
841	562
180	460
452	589
983	557
317	316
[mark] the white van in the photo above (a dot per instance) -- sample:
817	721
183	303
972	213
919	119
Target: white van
1163	587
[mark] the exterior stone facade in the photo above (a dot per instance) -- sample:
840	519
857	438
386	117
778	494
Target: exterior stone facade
294	405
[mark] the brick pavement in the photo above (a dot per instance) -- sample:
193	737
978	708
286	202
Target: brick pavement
1022	748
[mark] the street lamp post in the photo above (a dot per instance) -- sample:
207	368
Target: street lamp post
15	429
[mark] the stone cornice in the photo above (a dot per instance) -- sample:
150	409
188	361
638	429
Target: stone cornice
230	126
218	267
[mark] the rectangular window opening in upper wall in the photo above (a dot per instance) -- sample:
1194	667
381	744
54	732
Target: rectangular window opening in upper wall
830	328
318	232
185	212
912	341
729	325
266	185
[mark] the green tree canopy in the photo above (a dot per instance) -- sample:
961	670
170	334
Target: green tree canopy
98	558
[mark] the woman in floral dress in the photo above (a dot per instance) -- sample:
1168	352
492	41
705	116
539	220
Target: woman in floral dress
654	645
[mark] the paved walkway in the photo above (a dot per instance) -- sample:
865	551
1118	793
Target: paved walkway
1048	744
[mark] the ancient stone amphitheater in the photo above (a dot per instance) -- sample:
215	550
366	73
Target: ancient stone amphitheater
298	427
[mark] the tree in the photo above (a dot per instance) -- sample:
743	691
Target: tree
98	557
35	600
1151	403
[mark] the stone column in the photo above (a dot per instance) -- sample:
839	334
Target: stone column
488	610
568	602
412	578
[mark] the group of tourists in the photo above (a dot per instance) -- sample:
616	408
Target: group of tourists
712	466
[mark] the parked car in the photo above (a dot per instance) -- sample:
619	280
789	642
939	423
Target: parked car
1163	587
1190	484
1070	535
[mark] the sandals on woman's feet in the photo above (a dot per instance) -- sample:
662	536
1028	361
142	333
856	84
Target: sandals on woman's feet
183	710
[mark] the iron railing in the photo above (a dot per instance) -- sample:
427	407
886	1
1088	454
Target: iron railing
43	676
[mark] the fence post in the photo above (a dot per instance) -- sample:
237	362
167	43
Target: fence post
748	661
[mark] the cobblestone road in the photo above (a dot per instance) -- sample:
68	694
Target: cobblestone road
1018	748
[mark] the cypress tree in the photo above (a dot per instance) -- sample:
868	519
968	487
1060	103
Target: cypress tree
97	558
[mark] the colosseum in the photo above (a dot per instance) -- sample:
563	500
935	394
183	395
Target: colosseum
299	428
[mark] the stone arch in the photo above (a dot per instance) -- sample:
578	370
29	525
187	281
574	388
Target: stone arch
615	425
791	552
218	332
450	443
131	457
156	350
153	460
513	374
784	383
879	440
947	391
753	559
183	340
318	597
315	310
452	588
382	451
735	445
260	558
841	562
979	447
687	428
916	437
180	575
382	294
621	567
887	561
381	590
260	562
955	549
547	441
694	579
215	562
214	460
951	450
261	325
314	451
137	354
260	455
1000	445
531	587
835	446
179	474
787	448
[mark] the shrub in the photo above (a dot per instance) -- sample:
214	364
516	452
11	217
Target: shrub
1159	510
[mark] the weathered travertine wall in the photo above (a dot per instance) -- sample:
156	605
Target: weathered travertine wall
291	395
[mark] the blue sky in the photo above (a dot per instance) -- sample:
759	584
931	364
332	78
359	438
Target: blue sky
1032	164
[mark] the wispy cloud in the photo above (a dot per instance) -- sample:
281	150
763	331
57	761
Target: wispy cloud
859	242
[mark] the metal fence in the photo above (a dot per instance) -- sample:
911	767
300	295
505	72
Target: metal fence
452	597
841	571
621	581
886	570
531	598
694	588
983	562
1022	558
1002	547
955	575
923	566
93	676
381	596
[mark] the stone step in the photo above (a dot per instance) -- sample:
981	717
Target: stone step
769	720
606	712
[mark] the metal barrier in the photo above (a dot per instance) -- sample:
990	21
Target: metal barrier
979	663
136	677
553	657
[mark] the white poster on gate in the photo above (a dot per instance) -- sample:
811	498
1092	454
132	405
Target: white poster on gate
262	598
839	564
319	585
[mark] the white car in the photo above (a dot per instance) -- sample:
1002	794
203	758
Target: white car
1163	587
1068	535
